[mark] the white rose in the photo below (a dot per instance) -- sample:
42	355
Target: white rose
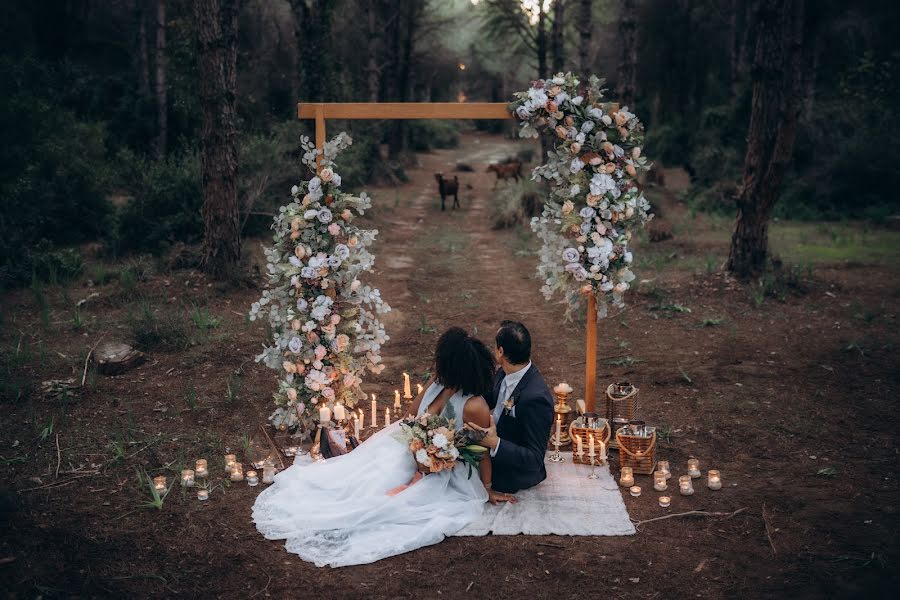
440	440
422	457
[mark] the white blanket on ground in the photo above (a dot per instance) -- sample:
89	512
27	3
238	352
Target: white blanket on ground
566	503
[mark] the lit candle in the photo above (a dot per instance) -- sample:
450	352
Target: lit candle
237	472
693	466
202	494
187	478
665	501
580	445
685	486
664	467
252	479
396	399
339	413
714	480
626	477
635	490
419	389
362	416
268	473
563	388
324	415
591	447
406	391
356	425
558	429
659	481
159	483
602	452
374	412
387	416
202	470
230	459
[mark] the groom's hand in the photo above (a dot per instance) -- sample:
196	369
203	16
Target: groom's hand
490	439
496	498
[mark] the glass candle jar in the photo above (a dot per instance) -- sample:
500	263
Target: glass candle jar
268	473
626	477
665	501
693	466
635	490
187	478
202	468
159	483
686	487
659	481
202	494
663	466
252	479
230	459
714	480
237	472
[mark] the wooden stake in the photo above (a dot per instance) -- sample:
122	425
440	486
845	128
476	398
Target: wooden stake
590	352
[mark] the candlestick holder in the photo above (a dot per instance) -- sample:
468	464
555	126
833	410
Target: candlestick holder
556	457
593	474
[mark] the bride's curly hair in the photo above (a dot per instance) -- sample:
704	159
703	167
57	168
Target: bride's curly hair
464	363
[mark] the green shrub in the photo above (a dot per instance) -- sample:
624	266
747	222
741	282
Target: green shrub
429	134
515	203
163	205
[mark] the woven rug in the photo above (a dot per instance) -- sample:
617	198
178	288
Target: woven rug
566	503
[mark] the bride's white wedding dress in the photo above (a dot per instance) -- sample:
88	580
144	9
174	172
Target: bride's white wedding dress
338	513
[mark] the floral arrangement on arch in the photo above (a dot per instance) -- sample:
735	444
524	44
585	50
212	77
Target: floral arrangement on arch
324	320
595	203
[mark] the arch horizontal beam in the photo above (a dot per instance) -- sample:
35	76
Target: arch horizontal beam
404	110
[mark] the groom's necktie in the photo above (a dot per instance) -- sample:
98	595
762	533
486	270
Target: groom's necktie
501	398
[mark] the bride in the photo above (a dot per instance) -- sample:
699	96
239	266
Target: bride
355	509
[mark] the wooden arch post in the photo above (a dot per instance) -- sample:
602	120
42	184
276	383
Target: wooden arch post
321	111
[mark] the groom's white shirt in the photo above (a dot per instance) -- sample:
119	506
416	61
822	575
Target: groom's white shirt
506	389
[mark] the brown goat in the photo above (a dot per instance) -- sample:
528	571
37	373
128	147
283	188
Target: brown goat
508	170
448	187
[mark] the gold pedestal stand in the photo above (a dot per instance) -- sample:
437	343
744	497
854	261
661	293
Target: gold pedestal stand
564	412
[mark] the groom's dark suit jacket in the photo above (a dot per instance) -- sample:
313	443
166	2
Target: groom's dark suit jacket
519	462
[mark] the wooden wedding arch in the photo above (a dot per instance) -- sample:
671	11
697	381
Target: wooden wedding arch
321	111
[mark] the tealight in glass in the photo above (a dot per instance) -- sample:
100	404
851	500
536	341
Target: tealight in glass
693	466
626	477
187	478
714	480
663	466
659	481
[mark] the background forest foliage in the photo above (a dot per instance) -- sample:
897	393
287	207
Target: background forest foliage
99	112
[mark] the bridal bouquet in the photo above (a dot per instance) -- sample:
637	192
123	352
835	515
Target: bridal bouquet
435	446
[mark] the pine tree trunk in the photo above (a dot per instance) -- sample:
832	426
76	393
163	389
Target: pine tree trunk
558	43
372	70
162	102
627	75
216	30
585	29
774	113
542	42
143	52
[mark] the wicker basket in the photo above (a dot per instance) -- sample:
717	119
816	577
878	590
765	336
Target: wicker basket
600	435
620	409
636	452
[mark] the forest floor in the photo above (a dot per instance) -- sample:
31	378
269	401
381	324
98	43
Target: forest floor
792	397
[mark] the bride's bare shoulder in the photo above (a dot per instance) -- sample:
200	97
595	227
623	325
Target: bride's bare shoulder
477	411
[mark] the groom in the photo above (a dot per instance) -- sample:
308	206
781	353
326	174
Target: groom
522	418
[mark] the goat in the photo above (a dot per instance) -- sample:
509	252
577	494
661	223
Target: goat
509	170
447	187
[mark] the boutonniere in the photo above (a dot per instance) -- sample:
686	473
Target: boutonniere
509	404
